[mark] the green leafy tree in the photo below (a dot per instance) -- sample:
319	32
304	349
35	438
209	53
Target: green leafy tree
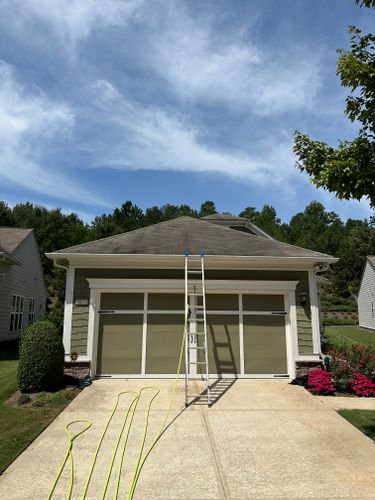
6	215
207	208
349	169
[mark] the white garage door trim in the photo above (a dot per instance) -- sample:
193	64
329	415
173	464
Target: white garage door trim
286	288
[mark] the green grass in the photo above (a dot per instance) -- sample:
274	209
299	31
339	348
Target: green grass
337	335
20	426
364	420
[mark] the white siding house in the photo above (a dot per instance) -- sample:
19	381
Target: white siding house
23	293
366	295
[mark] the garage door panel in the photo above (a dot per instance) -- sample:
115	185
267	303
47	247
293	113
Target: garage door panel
120	344
262	302
164	337
265	345
223	344
122	301
166	301
222	302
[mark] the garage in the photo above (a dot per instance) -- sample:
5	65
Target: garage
139	334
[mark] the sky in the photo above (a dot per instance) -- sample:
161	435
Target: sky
170	101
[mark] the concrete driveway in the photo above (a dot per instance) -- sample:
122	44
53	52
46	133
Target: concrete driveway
262	439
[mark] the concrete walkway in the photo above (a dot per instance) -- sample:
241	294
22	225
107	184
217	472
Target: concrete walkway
347	403
262	439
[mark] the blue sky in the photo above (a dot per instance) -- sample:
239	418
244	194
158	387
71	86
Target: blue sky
103	101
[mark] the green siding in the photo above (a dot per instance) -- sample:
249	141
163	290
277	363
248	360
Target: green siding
80	321
81	291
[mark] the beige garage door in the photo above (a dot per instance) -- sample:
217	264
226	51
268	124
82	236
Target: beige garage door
264	335
120	344
142	335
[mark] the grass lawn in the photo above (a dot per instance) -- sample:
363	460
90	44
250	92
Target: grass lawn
20	425
364	420
337	335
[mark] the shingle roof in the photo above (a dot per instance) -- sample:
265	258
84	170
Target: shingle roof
176	236
220	216
234	222
371	258
11	237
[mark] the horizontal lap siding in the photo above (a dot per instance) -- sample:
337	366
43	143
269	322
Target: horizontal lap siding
366	296
26	280
80	321
81	291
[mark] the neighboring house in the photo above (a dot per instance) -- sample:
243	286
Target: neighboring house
366	295
124	309
22	289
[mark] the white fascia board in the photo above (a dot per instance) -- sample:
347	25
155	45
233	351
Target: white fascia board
130	284
177	261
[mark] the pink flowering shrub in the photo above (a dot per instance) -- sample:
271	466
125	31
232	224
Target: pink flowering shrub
320	382
362	386
348	361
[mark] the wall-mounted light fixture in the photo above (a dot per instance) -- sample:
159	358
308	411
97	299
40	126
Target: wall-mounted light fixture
303	297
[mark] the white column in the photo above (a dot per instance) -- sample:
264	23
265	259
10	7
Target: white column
241	329
291	333
93	328
144	333
314	306
68	309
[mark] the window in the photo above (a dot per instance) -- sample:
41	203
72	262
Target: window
16	314
31	310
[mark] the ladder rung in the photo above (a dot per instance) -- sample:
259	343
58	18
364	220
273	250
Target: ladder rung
197	395
196	319
197	333
196	347
196	306
194	294
197	362
194	272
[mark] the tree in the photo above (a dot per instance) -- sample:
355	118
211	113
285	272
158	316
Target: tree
6	215
349	169
207	208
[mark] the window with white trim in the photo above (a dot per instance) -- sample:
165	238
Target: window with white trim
16	314
31	310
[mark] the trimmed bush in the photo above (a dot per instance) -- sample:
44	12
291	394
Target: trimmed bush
41	363
56	316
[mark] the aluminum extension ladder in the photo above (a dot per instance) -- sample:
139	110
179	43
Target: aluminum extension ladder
196	352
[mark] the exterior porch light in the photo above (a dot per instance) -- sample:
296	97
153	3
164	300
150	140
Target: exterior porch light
303	297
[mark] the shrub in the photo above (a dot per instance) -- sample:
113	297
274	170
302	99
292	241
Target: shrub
23	399
41	363
332	321
56	316
348	360
320	382
362	386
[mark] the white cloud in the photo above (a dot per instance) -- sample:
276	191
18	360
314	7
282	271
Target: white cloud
151	138
202	63
28	123
74	20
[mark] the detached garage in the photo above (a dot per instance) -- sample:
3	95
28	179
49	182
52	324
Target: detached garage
125	299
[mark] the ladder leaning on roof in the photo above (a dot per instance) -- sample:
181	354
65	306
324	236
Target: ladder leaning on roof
196	352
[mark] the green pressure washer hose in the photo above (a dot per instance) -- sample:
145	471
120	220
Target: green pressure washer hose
141	458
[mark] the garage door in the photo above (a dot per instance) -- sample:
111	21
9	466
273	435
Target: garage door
120	334
138	336
264	335
141	334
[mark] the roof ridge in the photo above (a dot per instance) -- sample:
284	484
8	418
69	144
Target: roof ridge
127	232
